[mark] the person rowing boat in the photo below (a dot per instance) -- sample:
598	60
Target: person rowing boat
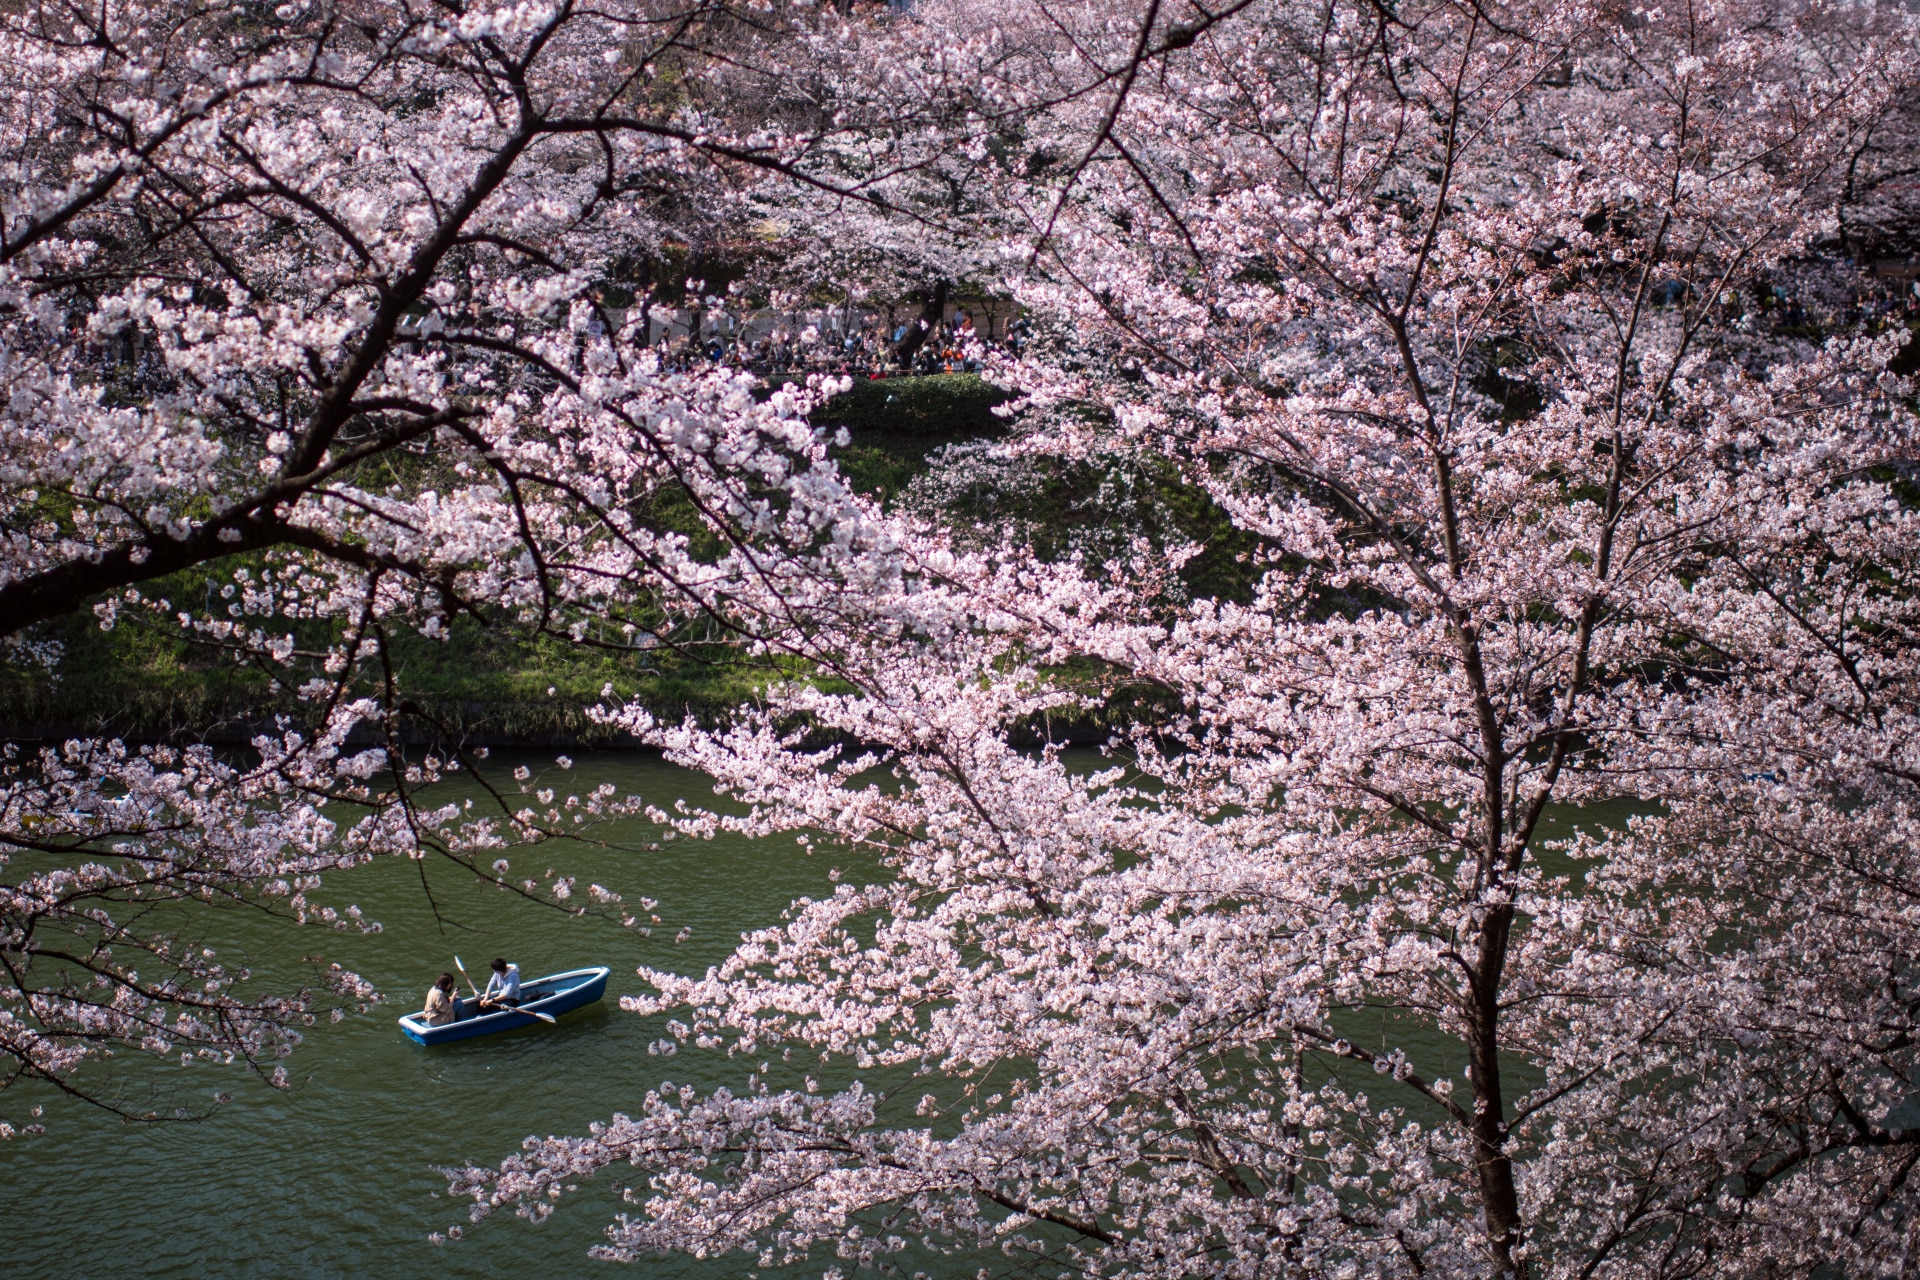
503	988
503	991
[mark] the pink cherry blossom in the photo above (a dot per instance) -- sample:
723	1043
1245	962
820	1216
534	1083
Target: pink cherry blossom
1522	882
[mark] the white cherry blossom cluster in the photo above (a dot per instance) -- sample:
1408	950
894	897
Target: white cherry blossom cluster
310	299
1523	883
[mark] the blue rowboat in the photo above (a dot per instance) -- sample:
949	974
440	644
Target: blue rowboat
555	994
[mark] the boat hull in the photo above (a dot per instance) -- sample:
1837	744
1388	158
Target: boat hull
555	994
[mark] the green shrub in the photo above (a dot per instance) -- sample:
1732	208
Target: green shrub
941	404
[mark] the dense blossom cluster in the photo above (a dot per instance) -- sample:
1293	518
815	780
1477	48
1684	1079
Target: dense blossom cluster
305	294
1343	970
1523	876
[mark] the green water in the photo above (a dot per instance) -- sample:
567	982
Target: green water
336	1177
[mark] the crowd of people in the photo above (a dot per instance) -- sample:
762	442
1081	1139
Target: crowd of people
865	346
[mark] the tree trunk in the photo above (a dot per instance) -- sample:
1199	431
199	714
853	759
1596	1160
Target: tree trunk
933	309
1499	1200
646	302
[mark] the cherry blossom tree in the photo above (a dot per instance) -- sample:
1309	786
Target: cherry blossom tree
306	295
1526	881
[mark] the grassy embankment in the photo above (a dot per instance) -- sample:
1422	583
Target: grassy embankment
491	683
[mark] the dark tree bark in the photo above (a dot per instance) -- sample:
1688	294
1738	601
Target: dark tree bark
933	309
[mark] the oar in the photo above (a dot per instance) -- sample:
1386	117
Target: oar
463	973
478	999
488	1004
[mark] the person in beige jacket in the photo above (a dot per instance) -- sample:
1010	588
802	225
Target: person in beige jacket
442	1005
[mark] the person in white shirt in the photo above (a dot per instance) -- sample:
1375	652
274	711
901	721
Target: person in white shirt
503	988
